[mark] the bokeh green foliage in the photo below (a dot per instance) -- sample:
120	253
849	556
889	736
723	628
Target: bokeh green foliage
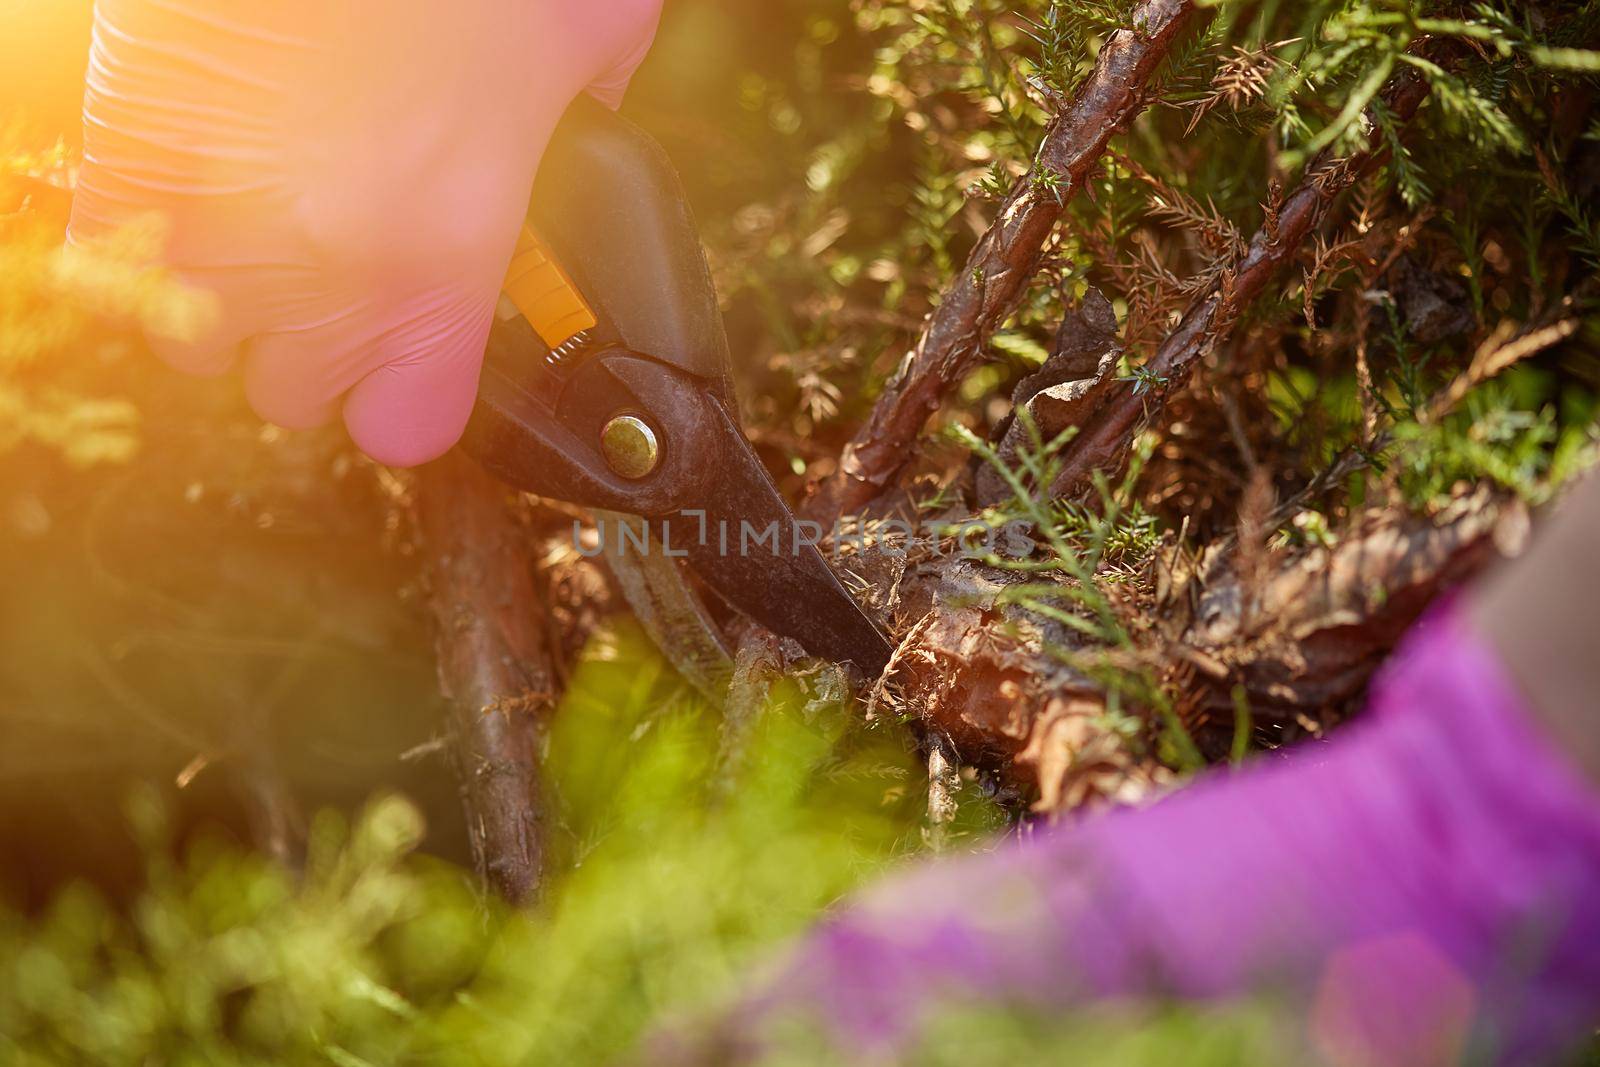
687	856
67	313
1155	1035
45	317
690	860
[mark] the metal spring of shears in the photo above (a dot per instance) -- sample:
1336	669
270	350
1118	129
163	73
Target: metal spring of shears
560	354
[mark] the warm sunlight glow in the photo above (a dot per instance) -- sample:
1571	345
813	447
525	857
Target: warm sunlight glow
43	45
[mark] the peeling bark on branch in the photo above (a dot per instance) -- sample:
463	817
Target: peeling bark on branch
495	664
979	674
996	276
1327	618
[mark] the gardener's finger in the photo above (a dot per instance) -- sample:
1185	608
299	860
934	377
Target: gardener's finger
415	406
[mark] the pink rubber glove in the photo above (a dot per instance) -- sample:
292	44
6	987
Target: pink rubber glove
347	177
1423	891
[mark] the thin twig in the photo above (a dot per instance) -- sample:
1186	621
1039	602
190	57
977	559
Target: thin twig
1499	351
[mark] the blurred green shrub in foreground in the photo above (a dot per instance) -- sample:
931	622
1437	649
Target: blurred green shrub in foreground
683	865
688	859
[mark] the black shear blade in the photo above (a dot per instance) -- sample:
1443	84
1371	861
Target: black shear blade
709	498
744	542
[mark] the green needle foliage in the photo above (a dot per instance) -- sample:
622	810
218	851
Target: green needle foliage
1086	549
1491	182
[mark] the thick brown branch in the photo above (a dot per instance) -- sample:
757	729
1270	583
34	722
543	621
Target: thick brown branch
987	290
989	678
495	665
1104	439
1312	636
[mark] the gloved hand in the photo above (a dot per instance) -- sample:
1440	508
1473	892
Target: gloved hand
1421	891
347	178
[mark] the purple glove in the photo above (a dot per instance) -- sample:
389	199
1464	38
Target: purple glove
1424	887
348	178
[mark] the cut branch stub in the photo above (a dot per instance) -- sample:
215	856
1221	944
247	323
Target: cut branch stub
1063	393
996	276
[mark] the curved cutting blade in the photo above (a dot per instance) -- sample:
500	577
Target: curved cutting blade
760	559
708	498
742	539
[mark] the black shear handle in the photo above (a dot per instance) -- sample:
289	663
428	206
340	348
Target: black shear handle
611	208
608	209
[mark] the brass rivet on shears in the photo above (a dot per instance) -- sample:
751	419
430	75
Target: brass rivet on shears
630	446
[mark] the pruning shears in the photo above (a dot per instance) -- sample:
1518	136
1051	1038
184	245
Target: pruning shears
608	384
